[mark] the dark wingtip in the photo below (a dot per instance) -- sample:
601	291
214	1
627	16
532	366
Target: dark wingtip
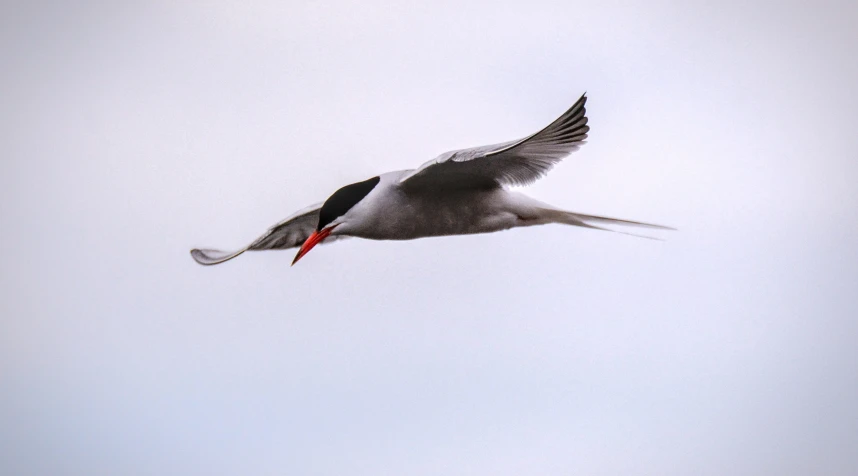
212	257
200	257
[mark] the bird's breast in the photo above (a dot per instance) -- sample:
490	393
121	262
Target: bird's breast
403	216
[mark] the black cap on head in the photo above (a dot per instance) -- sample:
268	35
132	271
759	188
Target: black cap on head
343	200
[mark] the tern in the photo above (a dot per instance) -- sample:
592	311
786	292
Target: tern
458	193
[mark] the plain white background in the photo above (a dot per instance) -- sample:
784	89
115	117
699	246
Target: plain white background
130	133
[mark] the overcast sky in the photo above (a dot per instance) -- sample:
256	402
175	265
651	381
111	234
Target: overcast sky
130	133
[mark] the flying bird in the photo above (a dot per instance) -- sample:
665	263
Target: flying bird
459	192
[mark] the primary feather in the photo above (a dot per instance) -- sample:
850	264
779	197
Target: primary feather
289	233
517	162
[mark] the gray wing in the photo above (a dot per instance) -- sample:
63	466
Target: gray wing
289	233
517	162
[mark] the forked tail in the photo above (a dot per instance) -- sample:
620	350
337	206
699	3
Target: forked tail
591	221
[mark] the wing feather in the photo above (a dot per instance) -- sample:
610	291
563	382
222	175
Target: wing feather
289	233
510	163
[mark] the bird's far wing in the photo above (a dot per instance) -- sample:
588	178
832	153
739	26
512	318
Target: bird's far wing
511	163
289	233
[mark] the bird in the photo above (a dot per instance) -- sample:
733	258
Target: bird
460	192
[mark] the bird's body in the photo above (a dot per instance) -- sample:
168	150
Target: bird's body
390	213
459	193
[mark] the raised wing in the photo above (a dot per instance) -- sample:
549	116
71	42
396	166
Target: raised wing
511	163
289	233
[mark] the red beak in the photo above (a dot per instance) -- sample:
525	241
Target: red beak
313	240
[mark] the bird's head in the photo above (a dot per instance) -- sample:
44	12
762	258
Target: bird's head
335	211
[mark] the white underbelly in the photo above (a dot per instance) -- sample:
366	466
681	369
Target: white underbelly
462	213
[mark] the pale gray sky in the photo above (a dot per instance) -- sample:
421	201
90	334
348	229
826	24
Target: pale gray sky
132	133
